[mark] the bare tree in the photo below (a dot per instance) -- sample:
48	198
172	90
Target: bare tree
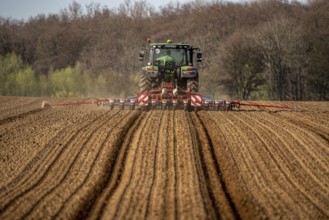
242	60
283	49
316	24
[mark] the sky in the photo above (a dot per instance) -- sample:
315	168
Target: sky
23	9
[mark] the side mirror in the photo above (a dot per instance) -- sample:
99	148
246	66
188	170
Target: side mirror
141	55
199	56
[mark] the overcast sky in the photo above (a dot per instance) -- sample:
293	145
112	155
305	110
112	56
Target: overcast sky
23	9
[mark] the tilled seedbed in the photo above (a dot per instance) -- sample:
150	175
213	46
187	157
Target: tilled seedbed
90	162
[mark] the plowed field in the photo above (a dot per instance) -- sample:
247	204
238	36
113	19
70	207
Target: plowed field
86	161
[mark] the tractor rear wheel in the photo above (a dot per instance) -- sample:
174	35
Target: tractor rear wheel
145	83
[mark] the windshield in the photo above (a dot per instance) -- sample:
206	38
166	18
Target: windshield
179	56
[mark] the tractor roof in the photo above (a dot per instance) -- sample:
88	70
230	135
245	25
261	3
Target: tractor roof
170	45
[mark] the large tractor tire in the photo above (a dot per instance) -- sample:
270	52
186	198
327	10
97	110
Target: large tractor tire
145	83
193	85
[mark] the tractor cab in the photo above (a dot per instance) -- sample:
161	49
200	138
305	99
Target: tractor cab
170	56
173	54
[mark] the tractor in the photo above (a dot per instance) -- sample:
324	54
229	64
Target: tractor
170	64
170	75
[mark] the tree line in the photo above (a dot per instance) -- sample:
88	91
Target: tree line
271	49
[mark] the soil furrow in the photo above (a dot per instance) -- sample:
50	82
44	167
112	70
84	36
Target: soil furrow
190	198
240	145
41	185
80	171
33	140
281	157
20	106
272	173
319	134
103	168
136	191
231	168
175	189
20	116
82	157
318	119
203	189
310	160
117	183
155	199
39	163
317	127
169	208
220	197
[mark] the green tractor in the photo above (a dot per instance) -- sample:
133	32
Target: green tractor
171	66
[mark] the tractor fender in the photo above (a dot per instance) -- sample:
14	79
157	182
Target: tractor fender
150	74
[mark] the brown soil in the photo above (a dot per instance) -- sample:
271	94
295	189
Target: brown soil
91	162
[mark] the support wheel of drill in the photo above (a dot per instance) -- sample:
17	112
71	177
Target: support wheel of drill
186	107
164	106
